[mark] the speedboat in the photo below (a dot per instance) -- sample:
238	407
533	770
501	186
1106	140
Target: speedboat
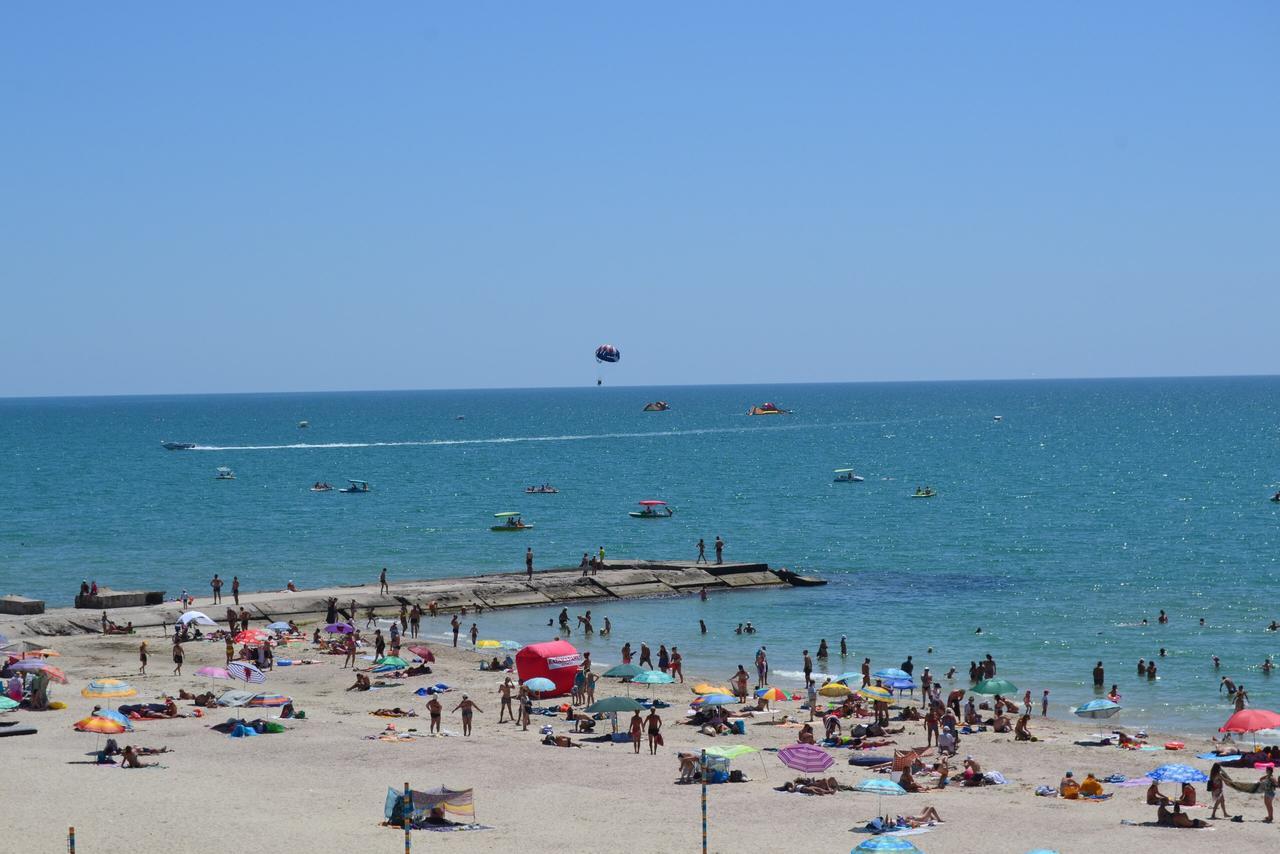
652	510
356	486
545	489
657	406
321	486
225	473
178	446
997	418
303	424
511	521
768	409
847	476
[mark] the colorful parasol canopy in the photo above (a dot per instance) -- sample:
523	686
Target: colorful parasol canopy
108	689
246	672
1251	720
423	652
772	694
101	726
708	688
835	689
213	673
876	694
805	758
267	701
250	637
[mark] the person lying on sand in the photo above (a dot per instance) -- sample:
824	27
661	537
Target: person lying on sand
928	817
130	759
1177	818
808	786
397	712
559	741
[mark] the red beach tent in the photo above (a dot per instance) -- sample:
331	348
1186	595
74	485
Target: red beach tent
554	660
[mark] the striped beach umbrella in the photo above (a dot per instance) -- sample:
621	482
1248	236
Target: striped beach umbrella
246	672
714	700
267	701
772	694
708	688
875	693
805	758
108	689
99	725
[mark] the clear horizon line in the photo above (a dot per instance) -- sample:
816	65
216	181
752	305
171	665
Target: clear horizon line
156	394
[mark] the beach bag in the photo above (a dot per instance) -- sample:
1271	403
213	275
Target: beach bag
876	825
657	739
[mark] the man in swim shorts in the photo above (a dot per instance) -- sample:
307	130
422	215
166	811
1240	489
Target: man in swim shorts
468	708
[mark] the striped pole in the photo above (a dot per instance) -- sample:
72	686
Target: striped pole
408	809
704	802
71	840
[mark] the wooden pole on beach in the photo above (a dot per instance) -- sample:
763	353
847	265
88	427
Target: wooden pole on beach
704	802
71	840
408	808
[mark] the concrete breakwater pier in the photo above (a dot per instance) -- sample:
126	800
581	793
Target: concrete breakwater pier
617	579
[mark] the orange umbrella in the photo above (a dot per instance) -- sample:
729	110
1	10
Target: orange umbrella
101	726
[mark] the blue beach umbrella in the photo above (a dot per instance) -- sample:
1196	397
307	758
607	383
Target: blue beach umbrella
1175	773
716	700
891	673
880	787
112	714
540	684
885	843
1043	851
653	677
847	677
1098	709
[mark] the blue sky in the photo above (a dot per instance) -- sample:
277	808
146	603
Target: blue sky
295	196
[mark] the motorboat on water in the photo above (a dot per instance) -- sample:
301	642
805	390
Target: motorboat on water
224	473
768	409
927	492
848	476
657	406
544	489
511	521
356	486
302	425
651	509
178	446
997	418
321	486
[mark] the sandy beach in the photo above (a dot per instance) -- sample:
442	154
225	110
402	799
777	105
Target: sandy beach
321	784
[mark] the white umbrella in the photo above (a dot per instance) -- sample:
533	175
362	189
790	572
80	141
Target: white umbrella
196	617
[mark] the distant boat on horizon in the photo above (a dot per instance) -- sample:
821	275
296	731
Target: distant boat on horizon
178	446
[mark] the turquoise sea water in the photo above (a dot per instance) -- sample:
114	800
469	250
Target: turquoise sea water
1091	505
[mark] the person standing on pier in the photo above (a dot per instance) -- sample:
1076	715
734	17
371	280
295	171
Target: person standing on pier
528	562
719	549
702	552
235	588
382	582
601	563
216	584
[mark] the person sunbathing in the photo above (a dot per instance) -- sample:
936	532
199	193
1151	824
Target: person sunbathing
908	781
1090	788
362	683
130	759
806	735
418	670
559	741
1000	723
1177	818
170	708
929	816
807	786
397	712
1021	732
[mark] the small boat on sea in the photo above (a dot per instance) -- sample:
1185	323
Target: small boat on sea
651	509
657	406
302	425
927	492
848	476
511	521
178	446
356	486
997	418
321	486
768	409
544	489
224	473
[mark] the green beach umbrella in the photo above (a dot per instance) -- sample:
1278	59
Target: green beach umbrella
624	671
392	660
995	686
733	751
614	704
653	677
6	704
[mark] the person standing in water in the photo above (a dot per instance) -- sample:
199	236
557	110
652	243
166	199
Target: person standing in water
1098	675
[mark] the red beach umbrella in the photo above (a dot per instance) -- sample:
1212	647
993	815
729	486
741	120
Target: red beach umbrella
1251	720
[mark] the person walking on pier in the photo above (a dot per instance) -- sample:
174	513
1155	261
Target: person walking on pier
702	551
528	562
382	582
719	549
216	584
